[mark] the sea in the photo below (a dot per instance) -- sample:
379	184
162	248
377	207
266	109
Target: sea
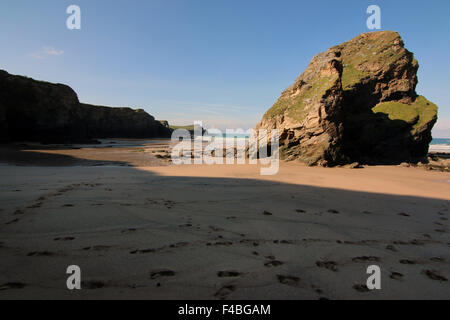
440	145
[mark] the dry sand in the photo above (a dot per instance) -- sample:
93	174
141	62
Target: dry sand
218	232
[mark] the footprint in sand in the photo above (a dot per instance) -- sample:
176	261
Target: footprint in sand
330	265
130	230
224	292
267	213
179	245
273	263
288	280
318	291
35	206
391	248
161	273
98	248
396	276
12	285
416	242
403	243
361	288
143	251
228	274
169	204
434	275
366	259
64	239
216	229
222	243
187	225
41	254
92	284
437	259
12	221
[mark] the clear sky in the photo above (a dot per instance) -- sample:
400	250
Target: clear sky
224	62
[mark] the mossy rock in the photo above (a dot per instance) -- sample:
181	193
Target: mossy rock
355	102
418	114
189	128
351	76
299	105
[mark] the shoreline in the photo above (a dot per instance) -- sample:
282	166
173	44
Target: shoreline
122	152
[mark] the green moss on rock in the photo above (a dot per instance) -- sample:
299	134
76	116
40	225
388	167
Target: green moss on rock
297	104
367	53
370	48
189	128
417	114
351	76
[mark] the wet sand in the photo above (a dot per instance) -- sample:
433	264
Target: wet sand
141	228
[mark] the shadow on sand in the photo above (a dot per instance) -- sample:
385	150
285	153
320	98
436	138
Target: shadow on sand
137	234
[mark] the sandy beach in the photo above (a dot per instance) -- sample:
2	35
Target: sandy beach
224	159
140	228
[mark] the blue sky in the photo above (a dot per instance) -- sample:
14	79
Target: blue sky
221	61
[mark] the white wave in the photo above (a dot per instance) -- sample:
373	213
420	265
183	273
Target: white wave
444	148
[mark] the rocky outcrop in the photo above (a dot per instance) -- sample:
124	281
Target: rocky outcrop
194	130
3	125
106	122
165	123
33	110
355	102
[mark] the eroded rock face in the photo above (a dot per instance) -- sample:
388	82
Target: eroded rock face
355	102
121	123
3	125
33	110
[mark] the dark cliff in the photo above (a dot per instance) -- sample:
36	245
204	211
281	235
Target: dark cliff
33	110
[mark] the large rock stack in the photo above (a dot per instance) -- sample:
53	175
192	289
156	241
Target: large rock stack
355	102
